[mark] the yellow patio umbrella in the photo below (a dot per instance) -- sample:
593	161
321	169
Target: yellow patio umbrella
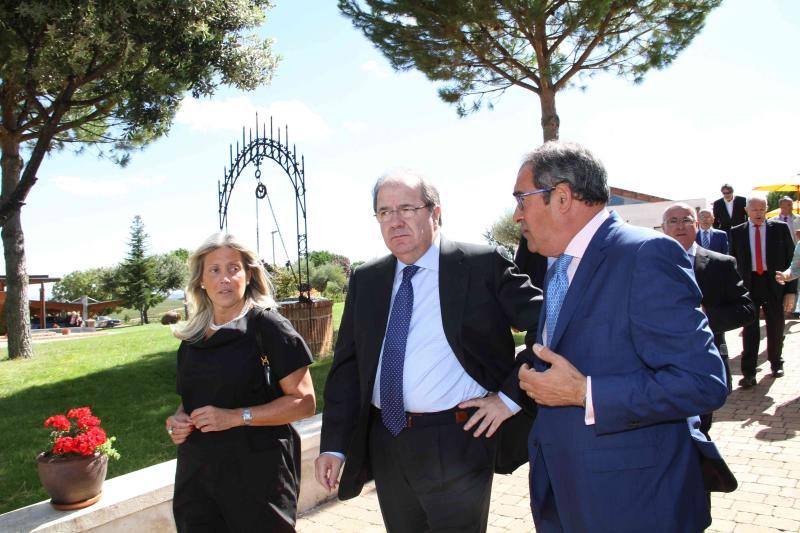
788	186
776	212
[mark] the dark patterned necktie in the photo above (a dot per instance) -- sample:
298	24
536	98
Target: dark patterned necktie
705	239
394	353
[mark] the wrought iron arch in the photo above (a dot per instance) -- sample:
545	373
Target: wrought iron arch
254	150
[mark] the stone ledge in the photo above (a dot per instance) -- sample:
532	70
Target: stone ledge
142	500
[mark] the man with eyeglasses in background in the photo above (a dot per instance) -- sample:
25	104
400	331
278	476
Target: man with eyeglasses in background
423	373
623	357
707	236
725	301
762	248
728	210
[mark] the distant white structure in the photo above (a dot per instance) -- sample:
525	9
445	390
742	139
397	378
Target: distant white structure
648	214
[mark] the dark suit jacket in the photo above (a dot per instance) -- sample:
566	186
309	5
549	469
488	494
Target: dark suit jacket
482	295
725	297
530	263
780	248
724	221
631	321
718	243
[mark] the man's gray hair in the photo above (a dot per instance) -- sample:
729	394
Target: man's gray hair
562	162
705	210
752	199
430	196
683	205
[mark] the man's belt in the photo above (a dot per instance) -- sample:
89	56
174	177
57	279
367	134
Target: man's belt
439	418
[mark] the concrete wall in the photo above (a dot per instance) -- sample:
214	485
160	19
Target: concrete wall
142	500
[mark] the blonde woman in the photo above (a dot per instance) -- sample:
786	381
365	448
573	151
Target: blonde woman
238	464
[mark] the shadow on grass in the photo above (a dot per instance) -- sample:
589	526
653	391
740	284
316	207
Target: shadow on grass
132	400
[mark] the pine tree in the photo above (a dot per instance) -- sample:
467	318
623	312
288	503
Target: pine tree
107	75
137	274
480	48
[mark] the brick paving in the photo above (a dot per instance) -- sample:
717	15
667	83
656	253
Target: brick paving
757	432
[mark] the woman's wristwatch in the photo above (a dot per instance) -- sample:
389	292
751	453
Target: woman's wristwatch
247	416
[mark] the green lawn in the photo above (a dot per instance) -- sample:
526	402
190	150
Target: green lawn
127	376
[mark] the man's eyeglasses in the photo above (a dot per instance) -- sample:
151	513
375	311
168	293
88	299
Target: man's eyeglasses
686	221
726	193
520	196
406	212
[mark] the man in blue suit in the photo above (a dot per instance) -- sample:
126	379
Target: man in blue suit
709	238
624	356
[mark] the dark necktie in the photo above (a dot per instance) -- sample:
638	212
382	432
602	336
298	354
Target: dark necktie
556	291
394	354
705	239
759	261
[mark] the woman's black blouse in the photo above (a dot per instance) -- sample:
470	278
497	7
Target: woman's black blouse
225	369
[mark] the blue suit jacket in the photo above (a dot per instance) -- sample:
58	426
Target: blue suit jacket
632	321
719	241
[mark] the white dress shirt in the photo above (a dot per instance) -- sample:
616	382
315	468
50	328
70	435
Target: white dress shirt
763	231
692	252
433	378
729	207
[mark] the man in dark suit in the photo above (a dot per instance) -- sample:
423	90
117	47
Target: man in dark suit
624	356
531	263
709	238
762	248
729	210
423	370
725	301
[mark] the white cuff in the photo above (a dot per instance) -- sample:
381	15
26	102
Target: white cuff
335	454
513	407
588	417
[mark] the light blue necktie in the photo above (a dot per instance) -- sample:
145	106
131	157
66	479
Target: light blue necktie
704	239
556	291
394	353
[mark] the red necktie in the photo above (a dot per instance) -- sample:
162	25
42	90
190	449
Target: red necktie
759	262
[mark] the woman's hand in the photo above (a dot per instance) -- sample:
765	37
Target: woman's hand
179	426
780	277
210	418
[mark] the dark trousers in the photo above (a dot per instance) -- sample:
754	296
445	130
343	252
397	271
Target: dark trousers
765	299
432	479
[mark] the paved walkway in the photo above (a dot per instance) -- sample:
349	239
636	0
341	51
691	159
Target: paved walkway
757	431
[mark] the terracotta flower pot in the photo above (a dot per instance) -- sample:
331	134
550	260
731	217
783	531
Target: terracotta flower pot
73	482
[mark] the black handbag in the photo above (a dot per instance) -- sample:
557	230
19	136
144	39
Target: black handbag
274	392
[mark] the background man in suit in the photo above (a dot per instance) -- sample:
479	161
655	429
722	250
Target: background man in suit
629	357
531	263
728	210
762	248
406	424
787	216
725	301
708	237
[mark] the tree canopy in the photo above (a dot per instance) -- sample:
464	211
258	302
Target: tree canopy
504	233
109	75
480	48
96	283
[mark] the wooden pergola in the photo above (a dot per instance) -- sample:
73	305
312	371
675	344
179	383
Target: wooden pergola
41	307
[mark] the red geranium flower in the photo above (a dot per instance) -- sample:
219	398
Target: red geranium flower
78	433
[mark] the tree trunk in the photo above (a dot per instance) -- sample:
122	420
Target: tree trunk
550	120
17	312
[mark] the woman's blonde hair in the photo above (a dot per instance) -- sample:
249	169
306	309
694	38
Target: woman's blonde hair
257	292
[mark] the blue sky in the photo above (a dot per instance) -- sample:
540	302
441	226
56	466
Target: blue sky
726	110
